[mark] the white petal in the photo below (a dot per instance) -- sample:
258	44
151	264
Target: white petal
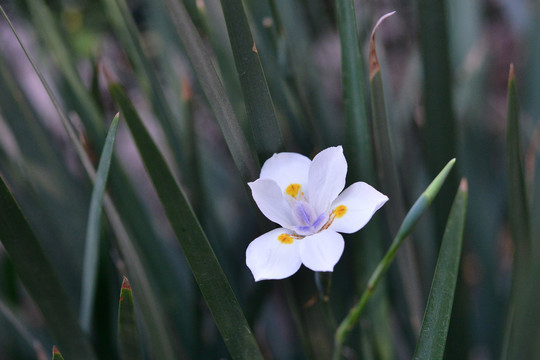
320	252
361	202
326	178
269	258
286	168
271	201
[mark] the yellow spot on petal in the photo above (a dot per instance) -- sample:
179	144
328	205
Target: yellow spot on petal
292	190
340	211
285	239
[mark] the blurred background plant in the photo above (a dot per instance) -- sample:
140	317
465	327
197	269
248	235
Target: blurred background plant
277	75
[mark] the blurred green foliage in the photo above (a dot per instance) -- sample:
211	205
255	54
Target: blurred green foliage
215	110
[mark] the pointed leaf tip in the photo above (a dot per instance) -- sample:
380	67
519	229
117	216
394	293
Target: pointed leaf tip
55	350
125	283
464	185
511	74
373	61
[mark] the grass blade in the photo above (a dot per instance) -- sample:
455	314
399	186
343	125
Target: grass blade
411	219
56	354
91	252
151	308
390	184
45	21
358	139
440	128
201	258
520	226
23	331
518	201
201	62
124	25
259	106
39	278
128	335
432	340
360	158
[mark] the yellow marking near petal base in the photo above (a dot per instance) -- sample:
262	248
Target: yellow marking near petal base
293	189
340	211
285	239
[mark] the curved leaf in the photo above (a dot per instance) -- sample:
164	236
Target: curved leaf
208	273
91	252
39	278
432	340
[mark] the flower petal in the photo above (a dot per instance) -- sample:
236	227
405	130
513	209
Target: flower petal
268	257
326	178
286	168
271	202
360	202
321	251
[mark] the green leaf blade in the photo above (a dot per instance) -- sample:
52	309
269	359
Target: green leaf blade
212	87
212	282
128	334
56	355
39	278
358	139
259	106
518	206
411	219
432	340
91	252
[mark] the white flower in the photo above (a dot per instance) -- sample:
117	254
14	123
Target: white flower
305	197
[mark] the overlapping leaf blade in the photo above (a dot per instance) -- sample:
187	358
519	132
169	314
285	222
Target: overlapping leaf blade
259	106
205	267
93	226
128	334
39	277
432	340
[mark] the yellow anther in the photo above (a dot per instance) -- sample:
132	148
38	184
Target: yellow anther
292	190
285	239
340	211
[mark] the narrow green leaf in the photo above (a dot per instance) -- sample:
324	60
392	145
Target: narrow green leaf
432	340
297	49
23	331
91	252
128	334
520	226
358	148
390	184
357	136
151	308
201	62
518	201
48	28
201	258
125	28
439	131
411	219
56	354
39	277
259	106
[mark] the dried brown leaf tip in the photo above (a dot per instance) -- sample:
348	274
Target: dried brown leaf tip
464	185
186	91
55	350
125	284
511	74
373	61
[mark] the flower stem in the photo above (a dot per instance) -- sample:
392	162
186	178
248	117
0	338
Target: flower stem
408	224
